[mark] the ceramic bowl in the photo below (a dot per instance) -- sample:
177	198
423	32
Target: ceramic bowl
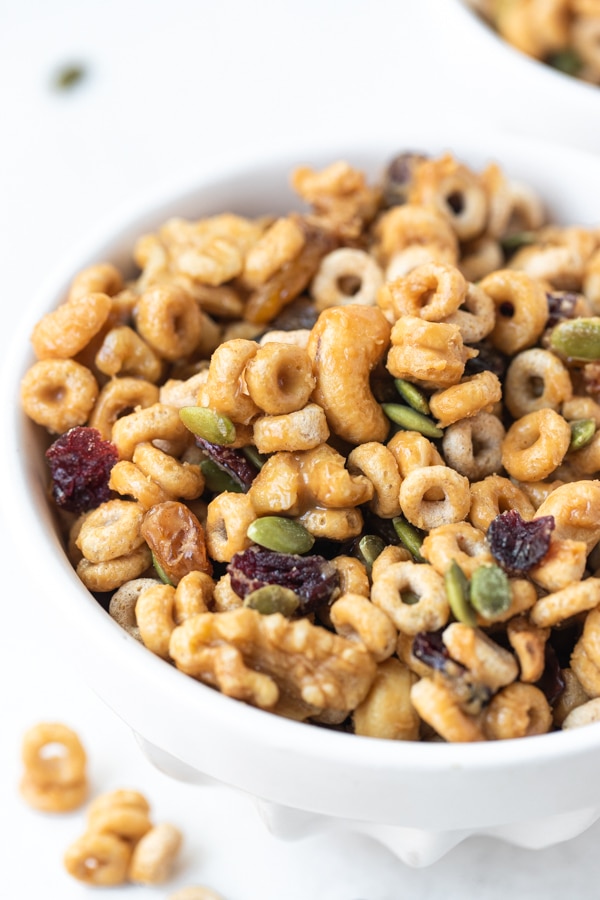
418	799
500	85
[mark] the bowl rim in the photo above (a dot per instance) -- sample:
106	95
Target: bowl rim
316	744
473	20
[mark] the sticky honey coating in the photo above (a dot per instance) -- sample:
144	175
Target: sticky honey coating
378	392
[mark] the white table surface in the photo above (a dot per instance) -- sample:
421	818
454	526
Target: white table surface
171	86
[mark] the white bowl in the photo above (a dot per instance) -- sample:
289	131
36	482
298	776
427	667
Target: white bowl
499	84
418	799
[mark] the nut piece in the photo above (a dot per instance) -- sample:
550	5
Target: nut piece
240	650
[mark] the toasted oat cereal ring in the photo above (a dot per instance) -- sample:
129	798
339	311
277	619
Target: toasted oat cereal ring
461	542
303	429
177	479
576	510
64	332
170	321
436	495
476	315
334	524
122	604
58	394
378	463
521	309
585	670
586	714
432	292
195	892
107	576
472	446
154	617
535	445
495	495
354	615
455	191
475	394
437	705
129	823
429	612
155	422
111	530
280	378
119	797
346	275
100	278
154	855
552	609
120	396
98	859
53	755
536	379
128	480
518	710
53	798
591	635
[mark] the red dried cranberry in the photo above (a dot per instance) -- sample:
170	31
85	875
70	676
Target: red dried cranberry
429	647
231	461
312	578
519	545
561	305
80	463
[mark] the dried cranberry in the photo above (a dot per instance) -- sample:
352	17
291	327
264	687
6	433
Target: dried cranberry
80	462
429	647
312	578
231	461
489	359
398	177
519	545
561	305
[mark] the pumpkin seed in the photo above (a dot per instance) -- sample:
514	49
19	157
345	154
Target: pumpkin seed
412	420
273	598
252	455
208	424
582	432
490	591
409	537
577	339
160	571
412	395
217	480
369	548
457	591
280	534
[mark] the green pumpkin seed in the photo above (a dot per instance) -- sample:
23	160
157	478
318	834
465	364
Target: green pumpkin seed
490	591
457	591
208	424
518	239
273	598
160	571
567	61
409	537
582	432
412	396
369	548
280	534
253	456
577	339
411	420
217	480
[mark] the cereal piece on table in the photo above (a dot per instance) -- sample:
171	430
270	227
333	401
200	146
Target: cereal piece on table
195	892
100	860
55	764
155	854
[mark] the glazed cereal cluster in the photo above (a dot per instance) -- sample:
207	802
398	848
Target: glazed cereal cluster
564	34
341	464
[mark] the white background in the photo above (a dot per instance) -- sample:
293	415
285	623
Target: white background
182	85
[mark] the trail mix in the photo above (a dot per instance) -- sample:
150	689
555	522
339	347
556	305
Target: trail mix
342	464
564	34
